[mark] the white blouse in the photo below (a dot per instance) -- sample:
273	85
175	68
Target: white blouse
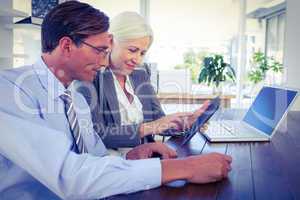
131	113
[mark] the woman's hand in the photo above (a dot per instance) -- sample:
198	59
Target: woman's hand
179	121
147	150
188	122
204	127
175	121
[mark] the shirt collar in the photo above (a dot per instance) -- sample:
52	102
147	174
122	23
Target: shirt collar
48	80
128	84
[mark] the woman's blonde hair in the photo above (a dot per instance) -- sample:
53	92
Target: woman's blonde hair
130	25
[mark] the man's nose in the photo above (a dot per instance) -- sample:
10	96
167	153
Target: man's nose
102	61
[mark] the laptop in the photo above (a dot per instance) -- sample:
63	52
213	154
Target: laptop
261	120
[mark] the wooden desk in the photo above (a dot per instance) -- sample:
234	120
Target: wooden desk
184	98
260	170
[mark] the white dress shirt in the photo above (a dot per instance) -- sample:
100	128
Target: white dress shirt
36	156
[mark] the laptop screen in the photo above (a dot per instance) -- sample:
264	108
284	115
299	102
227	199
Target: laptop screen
268	108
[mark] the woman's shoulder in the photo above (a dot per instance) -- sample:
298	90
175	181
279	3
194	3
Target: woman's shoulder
140	73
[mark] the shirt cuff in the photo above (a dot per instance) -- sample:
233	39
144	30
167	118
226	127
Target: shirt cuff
148	172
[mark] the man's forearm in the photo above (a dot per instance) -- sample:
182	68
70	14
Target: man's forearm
174	169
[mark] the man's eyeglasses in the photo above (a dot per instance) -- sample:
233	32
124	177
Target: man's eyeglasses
100	51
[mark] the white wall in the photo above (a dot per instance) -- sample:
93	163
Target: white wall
292	48
174	81
6	35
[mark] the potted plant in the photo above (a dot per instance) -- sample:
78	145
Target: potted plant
215	71
191	61
261	64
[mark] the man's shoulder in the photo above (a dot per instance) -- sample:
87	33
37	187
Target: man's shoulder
23	79
17	96
17	70
13	74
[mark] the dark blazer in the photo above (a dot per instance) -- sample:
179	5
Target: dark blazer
102	98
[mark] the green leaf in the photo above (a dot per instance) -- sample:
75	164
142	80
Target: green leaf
261	64
215	70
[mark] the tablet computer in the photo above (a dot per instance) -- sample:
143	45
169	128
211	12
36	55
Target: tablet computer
202	119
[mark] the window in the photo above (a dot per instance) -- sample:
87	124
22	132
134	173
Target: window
114	7
266	26
187	31
275	27
198	25
27	37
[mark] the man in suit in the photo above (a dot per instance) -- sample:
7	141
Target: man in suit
48	148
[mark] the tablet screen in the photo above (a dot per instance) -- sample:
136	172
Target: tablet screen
202	119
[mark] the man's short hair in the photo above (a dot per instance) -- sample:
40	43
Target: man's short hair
73	19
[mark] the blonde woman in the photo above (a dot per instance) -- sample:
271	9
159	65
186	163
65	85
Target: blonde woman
127	111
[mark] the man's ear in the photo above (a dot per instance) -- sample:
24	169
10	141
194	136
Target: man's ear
66	45
111	40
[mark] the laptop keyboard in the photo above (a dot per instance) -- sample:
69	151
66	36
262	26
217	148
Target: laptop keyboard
216	129
229	129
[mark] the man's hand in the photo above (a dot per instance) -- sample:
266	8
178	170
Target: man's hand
147	150
208	168
197	169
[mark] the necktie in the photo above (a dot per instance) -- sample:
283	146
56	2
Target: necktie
73	122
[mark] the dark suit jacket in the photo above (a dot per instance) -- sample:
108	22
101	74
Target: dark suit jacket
102	98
